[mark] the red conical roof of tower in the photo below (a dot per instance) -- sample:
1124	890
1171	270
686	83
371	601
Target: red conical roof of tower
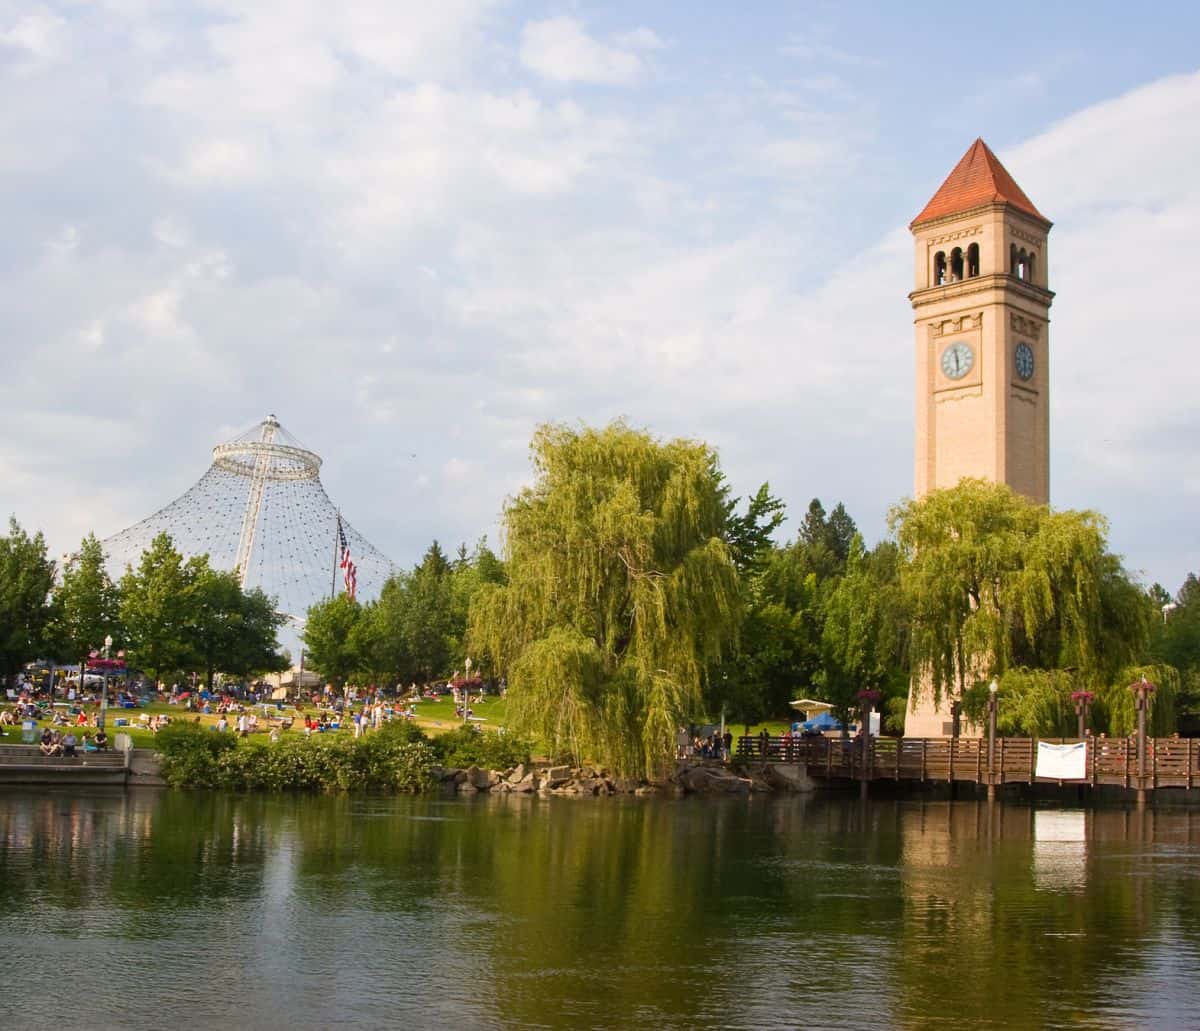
977	179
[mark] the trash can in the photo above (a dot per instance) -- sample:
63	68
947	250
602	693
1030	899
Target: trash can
29	732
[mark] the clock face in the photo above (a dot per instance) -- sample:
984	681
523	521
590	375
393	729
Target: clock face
1023	357
957	360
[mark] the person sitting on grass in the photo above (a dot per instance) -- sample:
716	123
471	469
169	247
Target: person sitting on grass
101	740
7	718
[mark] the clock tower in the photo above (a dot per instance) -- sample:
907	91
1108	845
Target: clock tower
981	308
982	313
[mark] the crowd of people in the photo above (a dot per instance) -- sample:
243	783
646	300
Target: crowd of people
713	745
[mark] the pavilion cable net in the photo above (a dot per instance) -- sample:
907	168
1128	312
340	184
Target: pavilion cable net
261	510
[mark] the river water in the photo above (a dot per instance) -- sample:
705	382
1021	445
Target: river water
193	911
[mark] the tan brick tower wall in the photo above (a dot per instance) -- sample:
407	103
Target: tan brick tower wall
992	422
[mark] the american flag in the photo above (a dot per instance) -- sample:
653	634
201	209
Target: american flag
349	569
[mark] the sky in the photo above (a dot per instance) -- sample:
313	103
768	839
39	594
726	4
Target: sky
415	231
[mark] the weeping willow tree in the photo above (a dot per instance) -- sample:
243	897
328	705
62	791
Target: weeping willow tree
992	581
621	591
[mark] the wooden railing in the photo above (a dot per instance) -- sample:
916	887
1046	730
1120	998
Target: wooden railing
1169	762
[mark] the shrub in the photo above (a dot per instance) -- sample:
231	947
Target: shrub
395	761
191	754
468	746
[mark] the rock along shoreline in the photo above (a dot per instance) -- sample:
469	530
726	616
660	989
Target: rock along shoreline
688	778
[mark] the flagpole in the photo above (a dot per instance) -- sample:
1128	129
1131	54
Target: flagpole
337	527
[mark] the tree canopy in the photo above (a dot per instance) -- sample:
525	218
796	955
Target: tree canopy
26	577
992	581
86	604
177	615
621	590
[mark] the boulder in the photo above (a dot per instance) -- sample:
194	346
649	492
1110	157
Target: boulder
479	779
558	775
517	774
527	783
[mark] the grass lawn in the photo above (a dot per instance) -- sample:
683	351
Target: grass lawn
432	717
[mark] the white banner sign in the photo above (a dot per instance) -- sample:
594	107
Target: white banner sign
1062	762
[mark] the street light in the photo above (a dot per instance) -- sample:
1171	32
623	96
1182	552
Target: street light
1083	702
466	691
1167	609
993	705
100	720
1142	690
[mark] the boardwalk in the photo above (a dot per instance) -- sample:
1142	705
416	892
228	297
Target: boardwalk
1169	762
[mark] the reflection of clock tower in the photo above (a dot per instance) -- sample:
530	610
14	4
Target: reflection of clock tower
982	315
982	318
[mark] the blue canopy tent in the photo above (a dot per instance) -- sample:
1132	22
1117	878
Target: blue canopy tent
821	723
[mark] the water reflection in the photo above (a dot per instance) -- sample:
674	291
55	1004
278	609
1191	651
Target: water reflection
514	912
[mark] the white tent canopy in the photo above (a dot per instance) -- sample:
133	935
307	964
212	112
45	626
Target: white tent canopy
809	707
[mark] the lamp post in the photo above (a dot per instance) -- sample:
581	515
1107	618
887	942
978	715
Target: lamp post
993	705
466	691
867	698
1083	702
100	720
1142	690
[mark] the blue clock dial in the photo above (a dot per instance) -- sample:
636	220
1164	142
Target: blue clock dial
957	360
1023	358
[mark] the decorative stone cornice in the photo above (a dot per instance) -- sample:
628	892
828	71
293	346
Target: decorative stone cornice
1021	234
962	324
950	237
1027	326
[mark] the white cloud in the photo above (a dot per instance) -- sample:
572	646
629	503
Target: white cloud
38	39
560	50
219	163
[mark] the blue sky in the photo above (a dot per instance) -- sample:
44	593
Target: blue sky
413	229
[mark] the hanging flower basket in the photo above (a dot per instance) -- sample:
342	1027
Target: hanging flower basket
1083	696
869	696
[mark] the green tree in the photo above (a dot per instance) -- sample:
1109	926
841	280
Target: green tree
230	630
332	638
155	610
429	623
861	634
621	591
1175	639
749	534
991	580
86	605
26	577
